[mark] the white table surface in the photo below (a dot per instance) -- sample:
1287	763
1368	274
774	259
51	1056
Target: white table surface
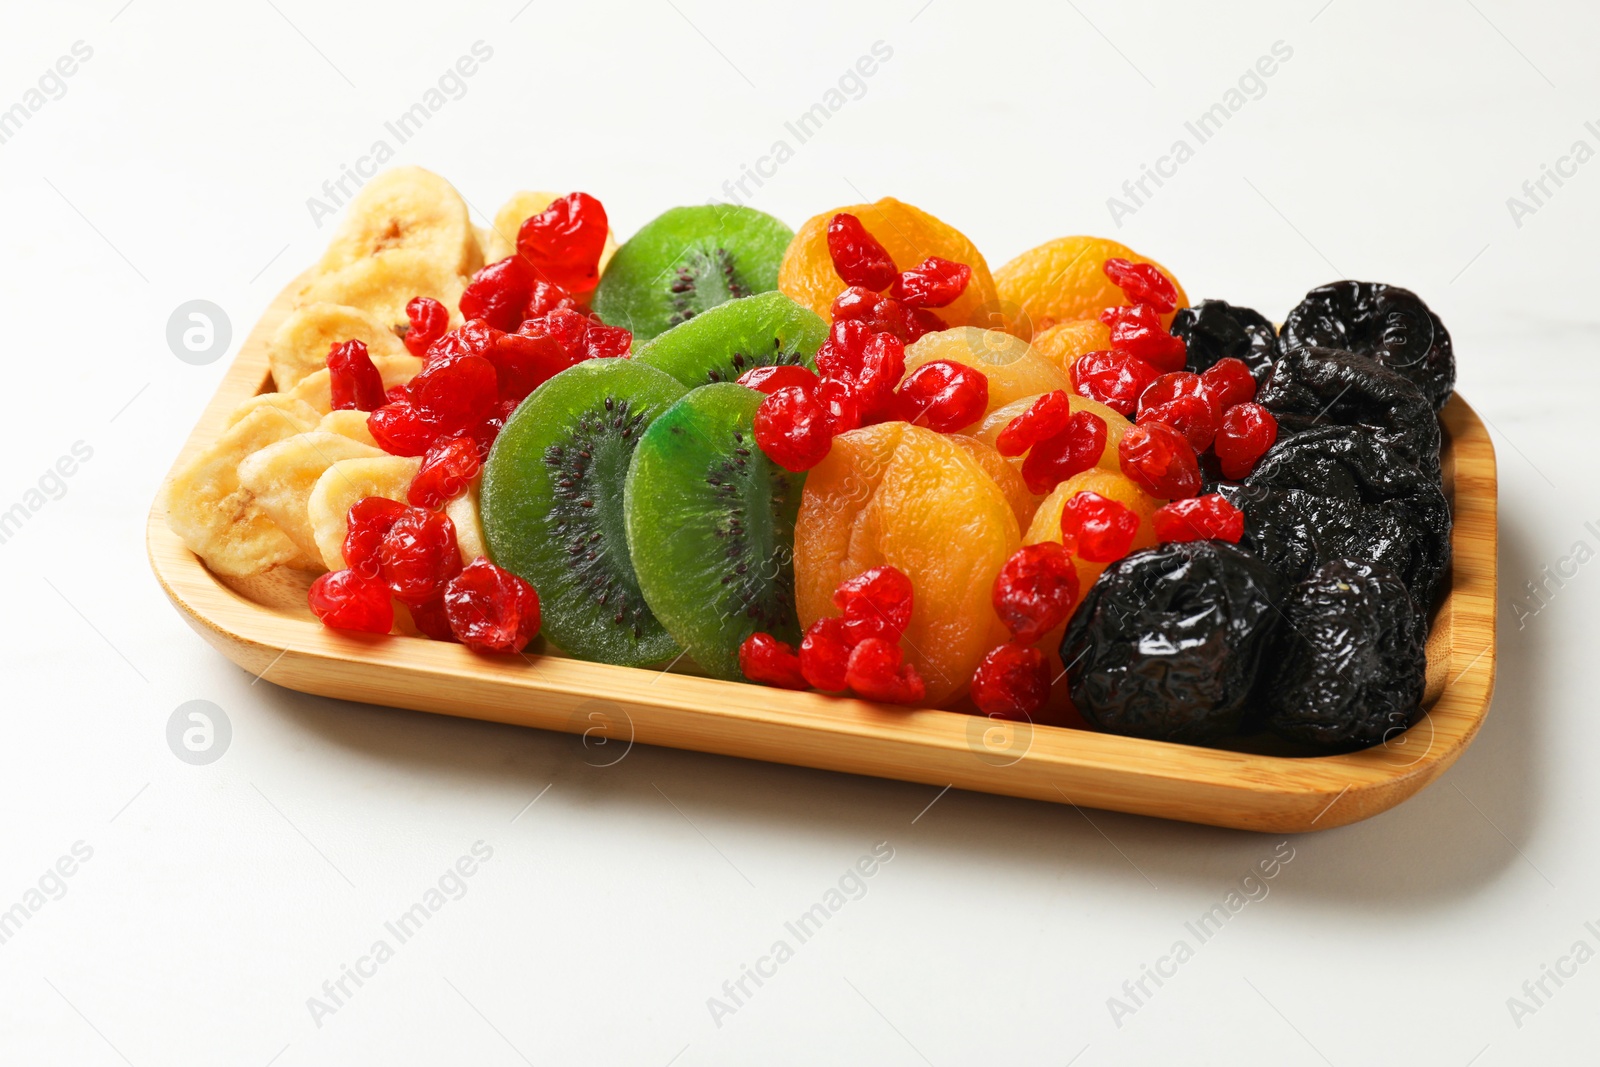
218	899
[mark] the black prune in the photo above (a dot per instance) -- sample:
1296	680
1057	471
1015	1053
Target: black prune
1348	667
1340	493
1167	644
1390	324
1216	329
1312	387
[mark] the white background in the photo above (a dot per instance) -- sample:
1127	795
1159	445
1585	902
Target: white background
218	899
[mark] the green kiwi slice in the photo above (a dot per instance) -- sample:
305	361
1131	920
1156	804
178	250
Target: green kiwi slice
688	260
552	506
721	344
711	527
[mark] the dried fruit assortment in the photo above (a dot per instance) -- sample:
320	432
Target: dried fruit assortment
850	459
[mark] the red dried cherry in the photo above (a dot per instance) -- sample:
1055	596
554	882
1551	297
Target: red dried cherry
1096	528
825	654
885	314
1044	418
472	338
857	256
428	320
1012	682
498	294
1248	430
877	670
838	401
1229	382
1115	379
1160	460
344	600
353	381
418	556
524	361
1182	401
1035	590
1073	450
607	342
1137	331
875	603
770	379
943	395
1142	283
563	243
456	393
431	620
366	524
793	429
763	658
401	430
934	283
545	298
1199	518
491	609
447	469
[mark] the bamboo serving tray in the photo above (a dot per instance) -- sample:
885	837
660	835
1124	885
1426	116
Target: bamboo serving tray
264	626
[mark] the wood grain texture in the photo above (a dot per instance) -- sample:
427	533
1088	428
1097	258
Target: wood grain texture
263	626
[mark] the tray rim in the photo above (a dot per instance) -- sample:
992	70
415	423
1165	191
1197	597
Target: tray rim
1187	783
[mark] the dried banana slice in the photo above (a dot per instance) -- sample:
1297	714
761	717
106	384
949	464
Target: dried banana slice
300	347
406	208
383	284
502	241
282	475
341	485
292	405
218	517
317	389
351	424
462	510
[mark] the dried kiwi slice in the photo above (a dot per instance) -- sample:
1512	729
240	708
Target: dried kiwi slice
711	527
553	511
721	344
688	260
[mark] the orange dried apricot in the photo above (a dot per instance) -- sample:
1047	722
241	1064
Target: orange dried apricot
1063	280
1064	342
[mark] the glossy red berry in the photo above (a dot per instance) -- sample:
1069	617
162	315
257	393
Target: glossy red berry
765	659
418	556
498	294
353	381
1248	430
401	430
934	283
1096	528
838	401
490	609
884	314
1182	401
366	524
877	670
825	654
344	600
1137	331
523	361
428	320
431	621
1142	283
472	338
1160	460
456	393
1115	379
857	256
447	469
943	395
1229	382
1012	682
793	429
1044	418
1072	451
1199	518
770	379
1035	591
544	298
607	342
563	243
875	603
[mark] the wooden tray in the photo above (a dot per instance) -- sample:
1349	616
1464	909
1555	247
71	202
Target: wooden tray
273	635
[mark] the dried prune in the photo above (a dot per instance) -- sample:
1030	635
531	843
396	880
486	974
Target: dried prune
1216	329
1312	387
1385	322
1339	493
1348	667
1168	643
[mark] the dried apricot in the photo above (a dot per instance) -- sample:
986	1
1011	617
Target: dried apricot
910	235
1063	280
1064	342
903	496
